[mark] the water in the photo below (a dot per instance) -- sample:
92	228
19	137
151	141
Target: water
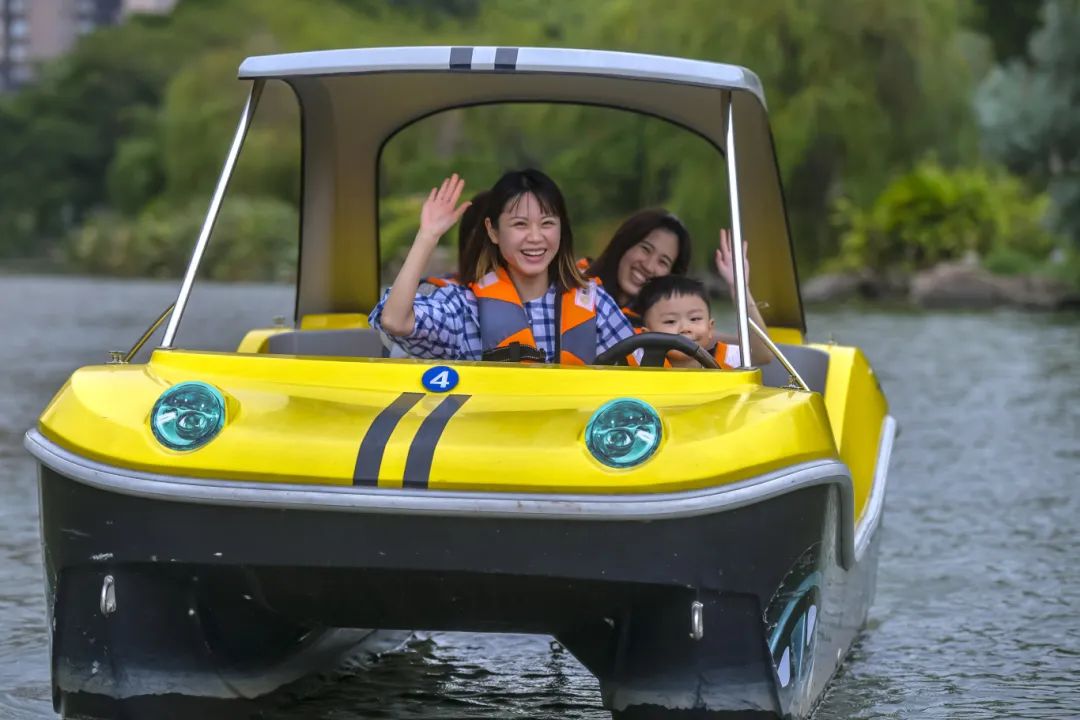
979	584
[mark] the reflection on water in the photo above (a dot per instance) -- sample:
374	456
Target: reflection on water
459	675
978	584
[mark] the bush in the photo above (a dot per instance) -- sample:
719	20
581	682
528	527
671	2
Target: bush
254	239
932	214
1009	261
1026	110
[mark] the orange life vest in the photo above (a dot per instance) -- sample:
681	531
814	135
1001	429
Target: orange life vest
719	352
504	323
583	265
442	280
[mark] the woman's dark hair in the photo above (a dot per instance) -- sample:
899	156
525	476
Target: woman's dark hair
507	193
634	229
471	235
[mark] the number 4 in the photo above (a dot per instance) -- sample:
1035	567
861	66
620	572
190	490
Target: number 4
441	380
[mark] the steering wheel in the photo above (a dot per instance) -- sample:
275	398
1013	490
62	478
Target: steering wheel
656	347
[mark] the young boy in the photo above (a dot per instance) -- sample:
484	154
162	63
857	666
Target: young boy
679	305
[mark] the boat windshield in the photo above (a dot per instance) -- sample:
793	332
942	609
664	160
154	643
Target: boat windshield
610	165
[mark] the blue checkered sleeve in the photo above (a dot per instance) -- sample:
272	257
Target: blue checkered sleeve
446	325
611	325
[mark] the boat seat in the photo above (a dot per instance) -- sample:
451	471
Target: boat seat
811	363
353	342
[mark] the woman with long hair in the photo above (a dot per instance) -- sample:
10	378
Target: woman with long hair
650	243
521	295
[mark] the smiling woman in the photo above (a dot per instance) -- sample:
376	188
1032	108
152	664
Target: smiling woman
650	243
527	230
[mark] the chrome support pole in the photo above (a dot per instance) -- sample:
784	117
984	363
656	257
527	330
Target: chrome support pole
126	357
737	241
796	378
212	213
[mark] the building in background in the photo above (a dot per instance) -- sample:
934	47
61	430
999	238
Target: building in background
33	31
147	6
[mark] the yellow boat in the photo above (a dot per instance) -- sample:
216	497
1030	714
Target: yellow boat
218	524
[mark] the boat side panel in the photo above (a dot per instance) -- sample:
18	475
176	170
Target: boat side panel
856	408
790	336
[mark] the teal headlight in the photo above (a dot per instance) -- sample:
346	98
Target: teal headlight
188	416
623	433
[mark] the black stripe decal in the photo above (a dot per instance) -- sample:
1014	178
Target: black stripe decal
372	446
418	464
461	58
506	58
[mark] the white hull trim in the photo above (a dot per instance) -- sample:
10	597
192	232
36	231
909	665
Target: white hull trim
652	506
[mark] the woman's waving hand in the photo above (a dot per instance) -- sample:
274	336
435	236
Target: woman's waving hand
439	213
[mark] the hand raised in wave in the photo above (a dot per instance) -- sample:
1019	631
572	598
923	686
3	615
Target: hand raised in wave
725	260
441	211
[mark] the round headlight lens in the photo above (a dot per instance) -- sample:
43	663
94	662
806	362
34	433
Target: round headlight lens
188	416
623	433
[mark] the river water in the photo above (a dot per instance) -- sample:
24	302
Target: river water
977	613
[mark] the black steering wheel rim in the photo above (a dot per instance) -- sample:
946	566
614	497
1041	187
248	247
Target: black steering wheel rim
617	353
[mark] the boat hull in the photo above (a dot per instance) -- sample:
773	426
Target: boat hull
211	595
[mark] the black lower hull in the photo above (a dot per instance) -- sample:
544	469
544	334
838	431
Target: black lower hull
213	599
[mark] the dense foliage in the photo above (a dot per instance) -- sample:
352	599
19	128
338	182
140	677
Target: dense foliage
255	239
1028	112
107	159
932	214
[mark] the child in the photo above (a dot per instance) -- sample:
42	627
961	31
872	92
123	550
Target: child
523	299
679	305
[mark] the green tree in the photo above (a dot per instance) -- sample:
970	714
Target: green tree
139	116
1008	24
1027	110
60	136
933	214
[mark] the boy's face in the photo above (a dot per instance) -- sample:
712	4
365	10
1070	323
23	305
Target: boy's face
686	315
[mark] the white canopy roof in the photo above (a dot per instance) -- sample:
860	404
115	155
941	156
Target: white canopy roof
353	101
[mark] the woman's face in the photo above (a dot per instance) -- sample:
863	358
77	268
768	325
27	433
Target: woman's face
528	238
652	257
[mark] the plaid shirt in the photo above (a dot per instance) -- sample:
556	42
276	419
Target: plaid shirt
448	324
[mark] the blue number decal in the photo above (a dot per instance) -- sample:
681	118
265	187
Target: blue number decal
440	378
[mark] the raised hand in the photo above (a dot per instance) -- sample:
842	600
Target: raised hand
441	211
725	261
438	215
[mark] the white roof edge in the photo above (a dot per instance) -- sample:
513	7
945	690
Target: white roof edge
523	60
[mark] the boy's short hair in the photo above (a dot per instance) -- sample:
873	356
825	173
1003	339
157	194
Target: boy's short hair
668	286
